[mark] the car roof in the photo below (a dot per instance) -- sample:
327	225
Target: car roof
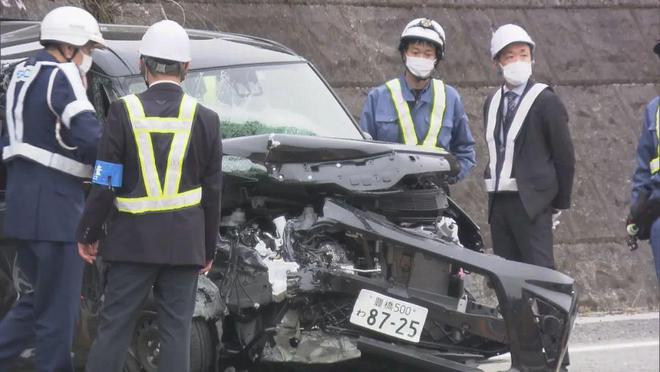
209	49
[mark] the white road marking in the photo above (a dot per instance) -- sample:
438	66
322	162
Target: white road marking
619	346
616	318
591	348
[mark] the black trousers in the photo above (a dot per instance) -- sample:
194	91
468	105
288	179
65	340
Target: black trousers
516	237
127	287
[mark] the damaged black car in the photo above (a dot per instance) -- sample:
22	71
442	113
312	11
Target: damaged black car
333	250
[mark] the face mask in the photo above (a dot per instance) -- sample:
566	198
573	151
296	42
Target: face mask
517	73
420	67
86	64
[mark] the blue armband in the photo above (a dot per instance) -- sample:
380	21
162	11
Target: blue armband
107	174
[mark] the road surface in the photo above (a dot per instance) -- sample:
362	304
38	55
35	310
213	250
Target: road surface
612	343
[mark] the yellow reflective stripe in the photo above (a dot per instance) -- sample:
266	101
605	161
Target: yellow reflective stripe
144	146
437	113
405	117
160	204
179	146
133	106
147	162
655	165
160	197
657	133
403	112
435	149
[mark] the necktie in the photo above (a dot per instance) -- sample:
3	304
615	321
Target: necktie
510	110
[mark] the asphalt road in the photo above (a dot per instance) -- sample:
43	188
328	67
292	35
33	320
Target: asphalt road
612	343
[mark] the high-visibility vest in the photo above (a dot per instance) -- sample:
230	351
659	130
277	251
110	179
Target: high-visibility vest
25	74
405	118
166	197
505	181
655	163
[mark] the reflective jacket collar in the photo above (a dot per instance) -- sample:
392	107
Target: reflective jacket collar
425	96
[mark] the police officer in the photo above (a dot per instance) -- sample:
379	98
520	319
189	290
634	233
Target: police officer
416	109
159	172
529	176
646	179
49	145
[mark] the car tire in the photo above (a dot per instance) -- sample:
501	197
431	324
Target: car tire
143	352
202	346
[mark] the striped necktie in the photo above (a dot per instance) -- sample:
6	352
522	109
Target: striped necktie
511	105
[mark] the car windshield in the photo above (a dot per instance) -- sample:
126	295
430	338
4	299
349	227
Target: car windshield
262	99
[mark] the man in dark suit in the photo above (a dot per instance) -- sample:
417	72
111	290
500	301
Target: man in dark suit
531	160
530	172
158	177
49	145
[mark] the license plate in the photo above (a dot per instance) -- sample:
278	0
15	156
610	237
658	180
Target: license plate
390	316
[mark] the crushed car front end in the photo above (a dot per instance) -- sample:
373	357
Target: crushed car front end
335	249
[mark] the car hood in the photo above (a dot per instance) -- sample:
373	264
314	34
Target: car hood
283	148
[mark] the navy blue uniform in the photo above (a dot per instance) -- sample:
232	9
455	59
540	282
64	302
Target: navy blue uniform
45	199
646	177
379	118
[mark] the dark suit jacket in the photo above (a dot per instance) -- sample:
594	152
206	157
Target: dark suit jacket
544	160
182	237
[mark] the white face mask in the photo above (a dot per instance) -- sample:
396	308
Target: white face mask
420	67
517	73
86	64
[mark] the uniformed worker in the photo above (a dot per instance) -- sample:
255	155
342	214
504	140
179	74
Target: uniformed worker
50	143
531	159
531	165
417	109
159	172
646	179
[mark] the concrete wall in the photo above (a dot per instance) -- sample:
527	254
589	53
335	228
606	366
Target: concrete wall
597	54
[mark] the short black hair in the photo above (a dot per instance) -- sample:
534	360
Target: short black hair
162	66
499	54
405	42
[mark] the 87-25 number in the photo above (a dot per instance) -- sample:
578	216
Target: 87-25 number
409	331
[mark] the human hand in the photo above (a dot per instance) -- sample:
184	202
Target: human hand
207	267
555	218
88	251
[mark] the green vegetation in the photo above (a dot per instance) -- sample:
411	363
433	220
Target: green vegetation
253	128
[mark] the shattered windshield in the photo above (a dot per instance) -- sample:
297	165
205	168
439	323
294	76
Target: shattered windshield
263	99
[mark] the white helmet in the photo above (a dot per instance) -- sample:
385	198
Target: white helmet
506	35
71	25
166	40
424	29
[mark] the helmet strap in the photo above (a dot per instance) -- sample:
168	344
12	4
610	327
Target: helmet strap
60	49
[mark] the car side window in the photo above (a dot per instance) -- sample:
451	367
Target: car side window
98	94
